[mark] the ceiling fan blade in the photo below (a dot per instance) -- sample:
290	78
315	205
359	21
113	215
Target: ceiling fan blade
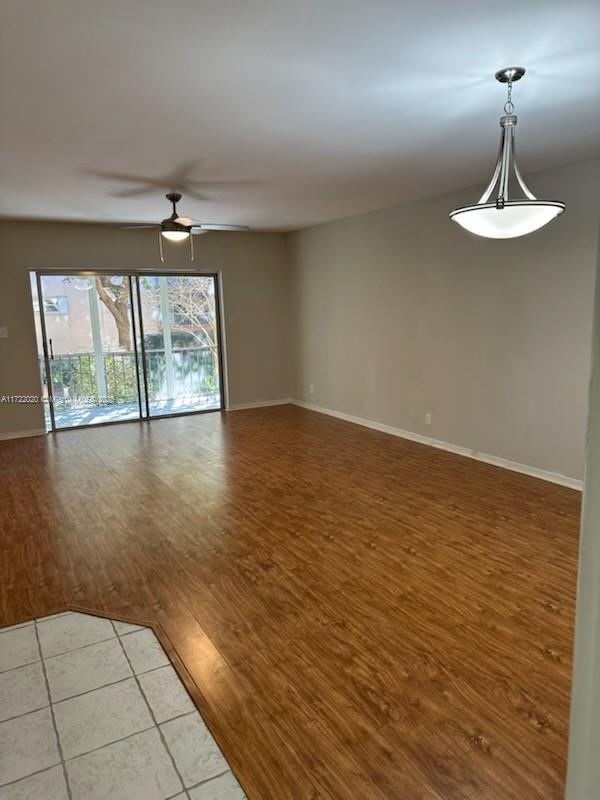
213	226
135	227
134	192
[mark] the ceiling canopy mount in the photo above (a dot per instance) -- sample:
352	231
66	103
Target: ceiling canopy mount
173	197
510	74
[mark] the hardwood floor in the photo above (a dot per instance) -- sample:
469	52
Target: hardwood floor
365	617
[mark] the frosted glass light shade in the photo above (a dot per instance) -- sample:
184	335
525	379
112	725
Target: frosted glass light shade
175	236
516	218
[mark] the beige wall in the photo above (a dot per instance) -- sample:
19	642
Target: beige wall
400	313
256	289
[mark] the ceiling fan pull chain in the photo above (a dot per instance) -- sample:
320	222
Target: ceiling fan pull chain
191	238
160	247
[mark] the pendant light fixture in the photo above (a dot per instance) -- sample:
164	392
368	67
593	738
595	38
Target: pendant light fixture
503	217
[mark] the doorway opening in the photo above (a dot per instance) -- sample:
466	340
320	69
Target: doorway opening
114	347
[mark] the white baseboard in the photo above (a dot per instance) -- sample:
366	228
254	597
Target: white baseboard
535	472
23	434
259	404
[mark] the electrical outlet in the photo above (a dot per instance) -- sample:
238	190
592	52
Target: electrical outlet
311	388
427	419
3	333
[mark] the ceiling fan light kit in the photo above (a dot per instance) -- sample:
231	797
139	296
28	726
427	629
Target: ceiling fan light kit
503	217
174	236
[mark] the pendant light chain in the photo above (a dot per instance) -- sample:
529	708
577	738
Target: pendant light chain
509	106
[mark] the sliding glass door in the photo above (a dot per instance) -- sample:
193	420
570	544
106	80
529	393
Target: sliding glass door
180	343
129	346
89	357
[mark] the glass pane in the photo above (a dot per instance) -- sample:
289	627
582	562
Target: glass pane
179	316
89	336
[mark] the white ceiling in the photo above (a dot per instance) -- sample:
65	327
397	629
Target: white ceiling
313	109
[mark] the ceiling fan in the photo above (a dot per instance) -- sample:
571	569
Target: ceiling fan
176	228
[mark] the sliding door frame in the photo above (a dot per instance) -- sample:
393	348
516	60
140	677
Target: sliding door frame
135	349
85	273
130	274
38	283
186	274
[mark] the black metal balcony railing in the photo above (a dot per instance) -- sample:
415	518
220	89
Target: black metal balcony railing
194	373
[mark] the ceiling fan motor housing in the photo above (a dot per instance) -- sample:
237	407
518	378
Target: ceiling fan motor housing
171	224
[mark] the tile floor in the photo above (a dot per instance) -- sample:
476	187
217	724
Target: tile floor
91	709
